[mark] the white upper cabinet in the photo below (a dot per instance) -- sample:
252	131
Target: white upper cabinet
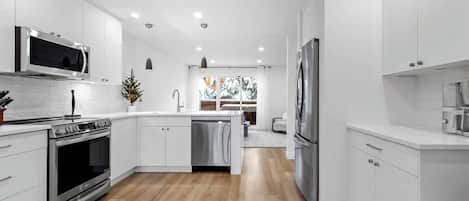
420	34
444	31
7	35
63	17
400	35
104	36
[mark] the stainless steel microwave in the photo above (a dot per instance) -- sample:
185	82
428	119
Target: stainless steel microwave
39	53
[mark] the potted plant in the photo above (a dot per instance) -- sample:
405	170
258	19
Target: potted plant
3	104
131	91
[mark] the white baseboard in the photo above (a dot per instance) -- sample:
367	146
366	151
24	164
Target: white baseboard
290	155
122	176
163	169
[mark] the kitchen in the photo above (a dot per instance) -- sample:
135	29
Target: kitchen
118	100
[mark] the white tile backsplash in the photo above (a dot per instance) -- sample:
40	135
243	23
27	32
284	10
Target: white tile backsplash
42	98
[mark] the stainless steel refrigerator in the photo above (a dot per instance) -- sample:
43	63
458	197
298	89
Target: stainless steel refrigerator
307	122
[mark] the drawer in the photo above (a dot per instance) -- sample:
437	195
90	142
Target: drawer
165	121
400	156
14	144
22	172
36	194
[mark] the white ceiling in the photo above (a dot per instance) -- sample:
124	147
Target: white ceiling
236	28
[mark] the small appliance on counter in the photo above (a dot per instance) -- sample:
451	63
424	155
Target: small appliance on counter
455	112
3	104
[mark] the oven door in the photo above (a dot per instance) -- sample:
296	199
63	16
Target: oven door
45	54
77	164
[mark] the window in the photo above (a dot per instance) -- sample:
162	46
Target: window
235	93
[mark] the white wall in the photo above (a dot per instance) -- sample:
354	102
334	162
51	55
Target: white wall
168	73
277	94
351	85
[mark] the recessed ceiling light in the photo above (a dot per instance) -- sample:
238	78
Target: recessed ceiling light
261	48
198	15
198	48
259	61
212	61
134	15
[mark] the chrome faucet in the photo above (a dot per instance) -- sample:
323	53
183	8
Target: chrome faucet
178	106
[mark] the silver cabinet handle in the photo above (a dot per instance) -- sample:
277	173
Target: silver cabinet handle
370	161
376	164
6	146
374	147
6	179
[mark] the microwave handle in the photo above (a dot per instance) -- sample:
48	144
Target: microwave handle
85	59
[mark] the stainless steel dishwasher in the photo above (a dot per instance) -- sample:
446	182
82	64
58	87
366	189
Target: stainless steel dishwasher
211	142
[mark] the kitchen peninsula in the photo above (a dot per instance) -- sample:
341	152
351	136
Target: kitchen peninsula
161	141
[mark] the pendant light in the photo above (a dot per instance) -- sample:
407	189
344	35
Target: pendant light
149	64
203	63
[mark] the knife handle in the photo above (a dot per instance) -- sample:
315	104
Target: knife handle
73	102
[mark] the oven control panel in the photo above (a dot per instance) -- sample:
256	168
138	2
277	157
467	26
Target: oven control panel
79	127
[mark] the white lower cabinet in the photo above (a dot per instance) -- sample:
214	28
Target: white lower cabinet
24	167
178	146
375	180
362	175
164	148
152	146
36	194
381	170
123	146
394	184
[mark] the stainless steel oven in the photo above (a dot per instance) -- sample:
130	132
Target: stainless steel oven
39	53
79	165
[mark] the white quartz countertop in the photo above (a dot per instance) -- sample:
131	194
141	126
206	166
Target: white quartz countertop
413	137
122	115
17	129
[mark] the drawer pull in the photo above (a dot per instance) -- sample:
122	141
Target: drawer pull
374	147
5	146
6	179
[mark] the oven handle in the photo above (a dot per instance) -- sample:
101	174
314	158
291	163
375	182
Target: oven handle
82	138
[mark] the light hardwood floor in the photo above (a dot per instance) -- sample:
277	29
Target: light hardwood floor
267	176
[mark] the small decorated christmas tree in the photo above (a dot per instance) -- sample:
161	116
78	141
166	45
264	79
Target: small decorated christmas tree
131	88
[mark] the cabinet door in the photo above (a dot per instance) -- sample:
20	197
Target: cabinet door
152	146
64	17
394	184
178	146
95	38
444	31
104	36
362	174
400	35
7	35
113	50
123	146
